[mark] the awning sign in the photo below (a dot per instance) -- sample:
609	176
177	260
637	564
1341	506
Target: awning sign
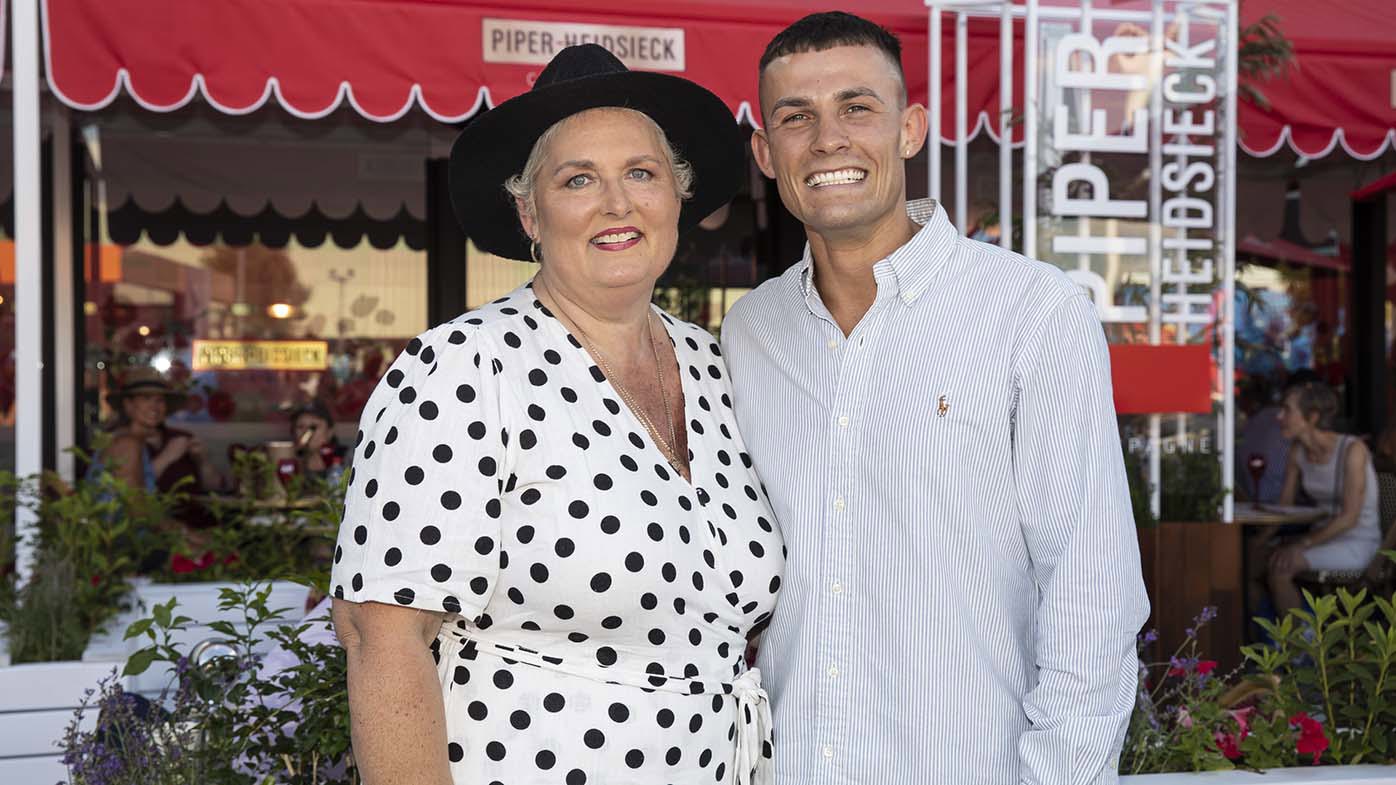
530	42
261	355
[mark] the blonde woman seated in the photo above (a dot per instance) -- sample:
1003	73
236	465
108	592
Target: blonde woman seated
1335	470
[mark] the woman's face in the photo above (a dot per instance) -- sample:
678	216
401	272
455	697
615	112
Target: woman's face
310	432
607	204
1293	421
147	410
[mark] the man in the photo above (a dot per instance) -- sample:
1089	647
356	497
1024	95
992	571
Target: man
933	422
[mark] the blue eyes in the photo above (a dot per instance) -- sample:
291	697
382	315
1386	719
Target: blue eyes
582	180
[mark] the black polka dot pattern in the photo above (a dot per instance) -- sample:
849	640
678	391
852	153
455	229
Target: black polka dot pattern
597	603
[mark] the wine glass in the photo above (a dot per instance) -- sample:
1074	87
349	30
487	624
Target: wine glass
1255	463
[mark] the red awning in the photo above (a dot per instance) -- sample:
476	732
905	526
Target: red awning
1342	92
387	57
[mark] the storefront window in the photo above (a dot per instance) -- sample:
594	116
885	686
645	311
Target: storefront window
250	331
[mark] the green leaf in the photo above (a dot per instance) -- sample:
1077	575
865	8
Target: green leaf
139	662
139	627
224	628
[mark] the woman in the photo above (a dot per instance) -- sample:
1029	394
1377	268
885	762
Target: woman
143	450
312	433
554	548
147	453
1336	472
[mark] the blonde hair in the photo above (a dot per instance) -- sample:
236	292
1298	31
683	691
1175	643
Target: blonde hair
521	186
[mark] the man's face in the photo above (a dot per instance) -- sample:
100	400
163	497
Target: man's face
837	136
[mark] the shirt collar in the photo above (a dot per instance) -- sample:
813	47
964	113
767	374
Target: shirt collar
913	266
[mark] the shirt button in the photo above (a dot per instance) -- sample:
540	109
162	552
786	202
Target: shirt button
833	671
843	421
837	588
828	752
833	344
839	505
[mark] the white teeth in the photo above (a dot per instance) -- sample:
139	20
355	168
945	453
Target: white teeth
839	177
619	237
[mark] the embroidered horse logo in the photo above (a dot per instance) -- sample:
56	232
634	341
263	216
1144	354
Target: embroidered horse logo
942	406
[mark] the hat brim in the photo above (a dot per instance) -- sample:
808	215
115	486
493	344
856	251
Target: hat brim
496	145
173	400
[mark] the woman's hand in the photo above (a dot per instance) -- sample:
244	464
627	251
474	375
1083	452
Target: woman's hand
1379	570
174	449
1289	559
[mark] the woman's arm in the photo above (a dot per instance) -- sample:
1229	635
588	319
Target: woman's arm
123	459
397	715
1291	486
176	445
1354	491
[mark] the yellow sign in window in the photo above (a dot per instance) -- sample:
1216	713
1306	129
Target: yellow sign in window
261	355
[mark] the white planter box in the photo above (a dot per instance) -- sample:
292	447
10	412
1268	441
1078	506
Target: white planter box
37	700
36	704
1308	775
198	601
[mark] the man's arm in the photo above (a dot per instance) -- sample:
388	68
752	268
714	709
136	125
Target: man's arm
1073	501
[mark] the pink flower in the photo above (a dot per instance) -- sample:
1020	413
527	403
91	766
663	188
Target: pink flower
1229	745
1206	666
1243	719
1184	718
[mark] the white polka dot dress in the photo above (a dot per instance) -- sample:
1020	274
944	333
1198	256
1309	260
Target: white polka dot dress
599	603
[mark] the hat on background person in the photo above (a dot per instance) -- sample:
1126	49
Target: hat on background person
145	380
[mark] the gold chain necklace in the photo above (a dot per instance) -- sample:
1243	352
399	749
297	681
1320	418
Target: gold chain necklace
668	447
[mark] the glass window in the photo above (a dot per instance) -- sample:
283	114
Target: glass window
250	331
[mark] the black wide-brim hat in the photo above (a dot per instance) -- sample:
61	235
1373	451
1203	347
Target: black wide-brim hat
146	381
496	145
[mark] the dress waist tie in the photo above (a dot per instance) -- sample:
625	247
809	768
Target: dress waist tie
751	763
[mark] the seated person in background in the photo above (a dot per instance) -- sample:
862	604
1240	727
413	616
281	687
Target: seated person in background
1335	470
148	454
1260	436
312	433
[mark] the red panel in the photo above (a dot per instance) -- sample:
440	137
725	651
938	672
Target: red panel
1162	379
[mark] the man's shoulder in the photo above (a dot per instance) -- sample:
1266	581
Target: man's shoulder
767	302
1030	277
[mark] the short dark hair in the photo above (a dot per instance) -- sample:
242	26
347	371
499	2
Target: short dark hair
1316	398
818	32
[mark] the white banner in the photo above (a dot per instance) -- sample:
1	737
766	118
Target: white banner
531	42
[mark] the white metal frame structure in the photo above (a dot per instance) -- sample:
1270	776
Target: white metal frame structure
29	291
1152	16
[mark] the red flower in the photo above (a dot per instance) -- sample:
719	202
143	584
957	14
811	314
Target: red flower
95	580
181	564
1178	672
1229	745
1206	666
231	558
1312	740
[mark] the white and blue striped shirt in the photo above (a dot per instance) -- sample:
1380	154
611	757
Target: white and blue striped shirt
963	587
